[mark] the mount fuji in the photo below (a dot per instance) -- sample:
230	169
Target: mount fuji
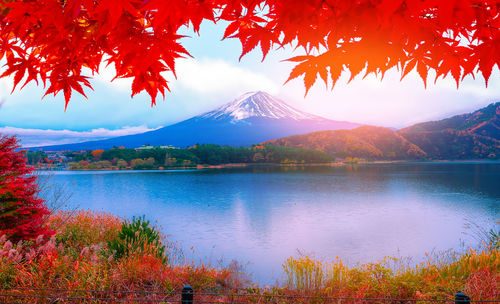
250	119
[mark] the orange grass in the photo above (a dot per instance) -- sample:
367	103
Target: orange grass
84	228
77	258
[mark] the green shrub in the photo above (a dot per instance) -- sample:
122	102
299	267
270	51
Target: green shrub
137	236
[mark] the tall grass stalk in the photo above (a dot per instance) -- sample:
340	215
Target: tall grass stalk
476	272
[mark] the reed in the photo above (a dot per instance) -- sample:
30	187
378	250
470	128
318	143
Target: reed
476	272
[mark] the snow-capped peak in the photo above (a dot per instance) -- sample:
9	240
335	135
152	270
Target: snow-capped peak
257	104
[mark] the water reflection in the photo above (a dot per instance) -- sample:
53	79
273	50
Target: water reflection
263	215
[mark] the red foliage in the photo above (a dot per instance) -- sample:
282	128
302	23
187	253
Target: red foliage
53	39
22	213
483	284
97	154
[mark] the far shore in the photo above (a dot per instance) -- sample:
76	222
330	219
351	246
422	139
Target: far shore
222	166
249	165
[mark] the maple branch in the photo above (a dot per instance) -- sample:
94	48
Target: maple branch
141	37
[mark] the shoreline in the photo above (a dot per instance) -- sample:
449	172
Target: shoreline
220	166
291	165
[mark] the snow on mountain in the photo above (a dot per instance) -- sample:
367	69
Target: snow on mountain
250	119
257	104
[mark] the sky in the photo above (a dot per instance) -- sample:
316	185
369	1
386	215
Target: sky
214	77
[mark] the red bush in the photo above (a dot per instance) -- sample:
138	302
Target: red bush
22	213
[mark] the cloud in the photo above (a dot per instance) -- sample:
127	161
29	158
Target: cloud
106	75
395	103
208	76
6	84
39	137
205	76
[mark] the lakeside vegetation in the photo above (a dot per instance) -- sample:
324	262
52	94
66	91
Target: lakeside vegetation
98	251
163	158
84	253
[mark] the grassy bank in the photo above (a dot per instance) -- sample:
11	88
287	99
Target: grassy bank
78	256
99	251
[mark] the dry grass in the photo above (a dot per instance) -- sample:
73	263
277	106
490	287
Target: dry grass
78	257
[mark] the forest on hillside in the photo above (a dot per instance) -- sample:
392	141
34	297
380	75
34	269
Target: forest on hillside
378	143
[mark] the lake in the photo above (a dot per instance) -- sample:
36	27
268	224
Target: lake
260	216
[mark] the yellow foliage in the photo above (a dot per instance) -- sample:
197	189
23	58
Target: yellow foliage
440	277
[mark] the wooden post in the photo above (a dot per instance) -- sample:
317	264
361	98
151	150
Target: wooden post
187	295
461	298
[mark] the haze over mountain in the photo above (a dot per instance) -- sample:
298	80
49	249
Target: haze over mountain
468	136
252	118
483	122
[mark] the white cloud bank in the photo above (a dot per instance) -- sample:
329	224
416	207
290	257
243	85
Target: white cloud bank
205	76
214	75
38	137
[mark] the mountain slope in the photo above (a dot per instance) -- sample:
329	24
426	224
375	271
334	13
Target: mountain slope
252	118
366	142
467	136
485	122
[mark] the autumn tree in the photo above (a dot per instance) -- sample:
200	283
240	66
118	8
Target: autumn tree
150	161
137	163
121	163
53	40
22	213
96	154
83	163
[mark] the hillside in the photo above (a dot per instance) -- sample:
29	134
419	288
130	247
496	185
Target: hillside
452	144
367	142
484	122
474	135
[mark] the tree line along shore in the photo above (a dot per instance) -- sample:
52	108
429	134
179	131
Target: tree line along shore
197	156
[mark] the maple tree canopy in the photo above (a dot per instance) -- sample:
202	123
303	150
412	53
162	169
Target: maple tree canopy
51	40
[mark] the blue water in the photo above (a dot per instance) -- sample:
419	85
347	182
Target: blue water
261	216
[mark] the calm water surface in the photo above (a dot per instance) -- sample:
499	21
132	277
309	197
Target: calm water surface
261	216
